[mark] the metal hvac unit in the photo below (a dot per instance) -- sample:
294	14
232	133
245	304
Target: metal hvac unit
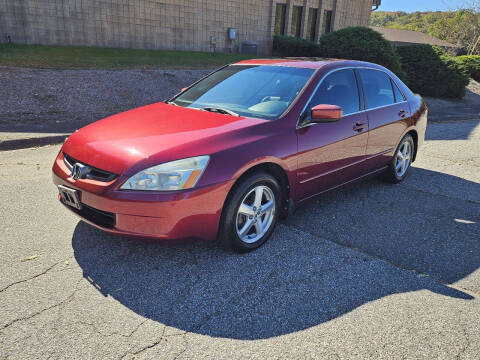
249	47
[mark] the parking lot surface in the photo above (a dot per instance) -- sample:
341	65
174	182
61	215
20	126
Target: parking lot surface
368	271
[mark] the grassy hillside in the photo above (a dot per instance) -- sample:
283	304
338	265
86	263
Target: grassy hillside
417	21
460	27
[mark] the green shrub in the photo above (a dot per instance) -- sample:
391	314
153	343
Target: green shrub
296	47
361	43
431	72
471	63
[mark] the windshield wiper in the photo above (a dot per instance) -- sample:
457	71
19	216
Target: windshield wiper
220	110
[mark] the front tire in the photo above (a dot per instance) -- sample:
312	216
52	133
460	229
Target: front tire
251	212
402	159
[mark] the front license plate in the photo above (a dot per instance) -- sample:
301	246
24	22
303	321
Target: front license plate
69	197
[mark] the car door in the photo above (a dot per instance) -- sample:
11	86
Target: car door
388	116
331	154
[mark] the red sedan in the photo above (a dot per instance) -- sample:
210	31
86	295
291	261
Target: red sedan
231	154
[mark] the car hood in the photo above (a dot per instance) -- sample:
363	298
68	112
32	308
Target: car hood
118	142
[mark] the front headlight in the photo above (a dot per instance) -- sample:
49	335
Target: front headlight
175	175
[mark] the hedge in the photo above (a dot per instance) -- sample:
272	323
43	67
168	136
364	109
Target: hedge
361	43
432	72
292	46
426	69
471	63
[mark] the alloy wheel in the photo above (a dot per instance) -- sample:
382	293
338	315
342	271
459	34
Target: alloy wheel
255	214
403	158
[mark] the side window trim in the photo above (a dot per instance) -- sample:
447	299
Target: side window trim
355	68
361	91
394	92
395	86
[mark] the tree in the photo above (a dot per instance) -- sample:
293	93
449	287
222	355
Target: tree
460	27
473	26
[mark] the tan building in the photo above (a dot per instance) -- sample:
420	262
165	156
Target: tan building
202	25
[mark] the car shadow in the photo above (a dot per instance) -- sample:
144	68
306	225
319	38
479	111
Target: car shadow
336	253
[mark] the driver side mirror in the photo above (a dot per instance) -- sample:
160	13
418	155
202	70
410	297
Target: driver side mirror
326	113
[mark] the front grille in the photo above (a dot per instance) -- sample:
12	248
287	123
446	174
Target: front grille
99	217
93	173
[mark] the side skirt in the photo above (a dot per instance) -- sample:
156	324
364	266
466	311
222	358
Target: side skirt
292	207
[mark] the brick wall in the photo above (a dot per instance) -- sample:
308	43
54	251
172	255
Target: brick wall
160	24
352	13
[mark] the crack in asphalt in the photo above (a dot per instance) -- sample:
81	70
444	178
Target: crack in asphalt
113	333
387	260
155	343
184	337
36	275
232	301
61	303
162	338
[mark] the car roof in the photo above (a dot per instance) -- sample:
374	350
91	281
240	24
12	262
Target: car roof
308	63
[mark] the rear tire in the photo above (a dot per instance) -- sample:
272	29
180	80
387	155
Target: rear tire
251	212
401	161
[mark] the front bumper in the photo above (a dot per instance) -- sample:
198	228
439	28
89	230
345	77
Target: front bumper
189	214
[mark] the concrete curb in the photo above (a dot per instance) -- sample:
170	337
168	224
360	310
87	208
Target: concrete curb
24	143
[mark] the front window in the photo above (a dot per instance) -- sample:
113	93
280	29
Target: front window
253	91
341	89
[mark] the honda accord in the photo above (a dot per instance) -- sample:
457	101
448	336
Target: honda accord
229	156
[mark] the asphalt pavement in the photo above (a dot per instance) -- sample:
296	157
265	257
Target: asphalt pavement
368	271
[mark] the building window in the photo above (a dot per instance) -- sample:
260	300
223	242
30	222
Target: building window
312	24
296	29
280	17
327	20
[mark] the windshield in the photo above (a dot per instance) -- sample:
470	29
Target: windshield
253	91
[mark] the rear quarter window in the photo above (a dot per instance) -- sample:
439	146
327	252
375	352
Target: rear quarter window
398	94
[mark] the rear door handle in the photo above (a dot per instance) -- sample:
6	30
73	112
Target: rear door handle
402	113
359	126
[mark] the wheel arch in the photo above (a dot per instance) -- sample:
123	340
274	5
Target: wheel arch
414	135
270	167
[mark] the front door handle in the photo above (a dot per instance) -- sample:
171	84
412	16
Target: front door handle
402	113
359	126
